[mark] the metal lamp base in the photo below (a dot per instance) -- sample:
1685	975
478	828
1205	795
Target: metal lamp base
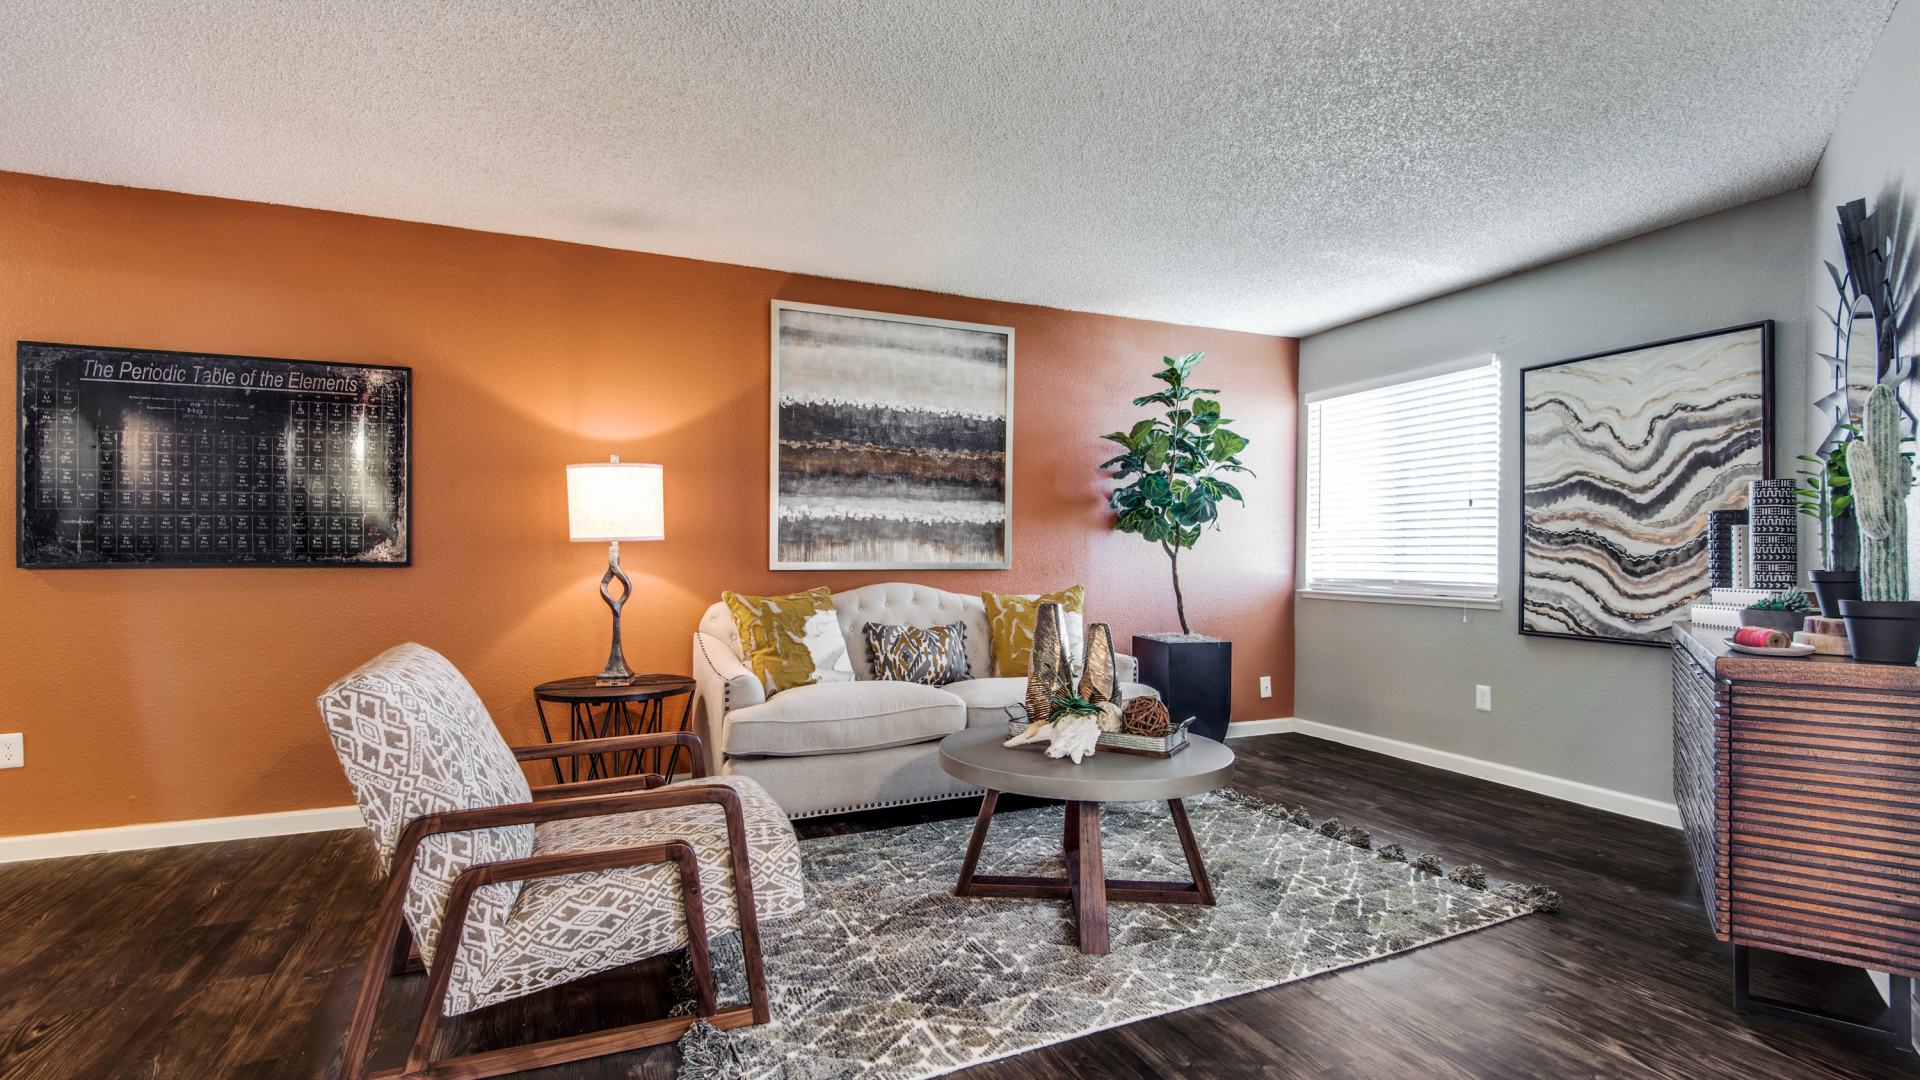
616	673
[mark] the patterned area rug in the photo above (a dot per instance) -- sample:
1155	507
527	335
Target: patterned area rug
888	976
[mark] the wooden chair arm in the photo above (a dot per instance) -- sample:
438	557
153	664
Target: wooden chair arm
575	862
581	788
615	743
557	809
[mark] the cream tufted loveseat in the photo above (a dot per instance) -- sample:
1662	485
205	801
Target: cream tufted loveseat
850	746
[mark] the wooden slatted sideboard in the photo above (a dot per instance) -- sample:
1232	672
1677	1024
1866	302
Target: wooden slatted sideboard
1798	782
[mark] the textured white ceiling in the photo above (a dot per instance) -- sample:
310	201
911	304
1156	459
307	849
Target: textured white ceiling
1270	166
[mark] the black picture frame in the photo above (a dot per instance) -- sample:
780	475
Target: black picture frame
1673	607
310	463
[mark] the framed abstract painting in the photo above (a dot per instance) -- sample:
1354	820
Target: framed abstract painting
1623	454
891	444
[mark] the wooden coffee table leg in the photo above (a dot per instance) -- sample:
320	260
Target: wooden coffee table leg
1187	844
1071	834
980	824
1090	884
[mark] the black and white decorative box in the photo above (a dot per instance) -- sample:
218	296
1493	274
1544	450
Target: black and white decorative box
1773	529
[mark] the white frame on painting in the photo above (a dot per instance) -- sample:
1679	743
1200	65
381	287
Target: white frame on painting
859	401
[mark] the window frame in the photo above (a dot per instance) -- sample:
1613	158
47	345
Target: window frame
1430	371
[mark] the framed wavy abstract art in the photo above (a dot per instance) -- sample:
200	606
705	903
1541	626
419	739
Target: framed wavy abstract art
1623	455
891	441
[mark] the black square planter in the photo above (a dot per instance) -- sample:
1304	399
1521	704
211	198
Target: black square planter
1195	678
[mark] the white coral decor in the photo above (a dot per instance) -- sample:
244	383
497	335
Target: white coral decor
1072	735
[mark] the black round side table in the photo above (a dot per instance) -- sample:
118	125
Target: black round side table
638	708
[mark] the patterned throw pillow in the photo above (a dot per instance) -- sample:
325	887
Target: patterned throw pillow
1010	622
791	640
934	656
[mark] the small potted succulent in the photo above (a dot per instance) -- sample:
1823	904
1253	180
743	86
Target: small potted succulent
1784	611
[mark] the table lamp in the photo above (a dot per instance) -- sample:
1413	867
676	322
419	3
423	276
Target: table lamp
609	503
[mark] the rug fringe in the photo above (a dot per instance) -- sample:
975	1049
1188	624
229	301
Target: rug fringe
707	1053
1536	898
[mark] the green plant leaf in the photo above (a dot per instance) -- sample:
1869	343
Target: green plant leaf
1157	450
1225	445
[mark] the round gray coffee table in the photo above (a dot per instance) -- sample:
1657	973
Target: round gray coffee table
977	756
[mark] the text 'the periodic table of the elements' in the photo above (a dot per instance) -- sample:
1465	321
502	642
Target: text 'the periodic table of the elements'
140	458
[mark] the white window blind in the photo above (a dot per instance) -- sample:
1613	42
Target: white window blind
1403	488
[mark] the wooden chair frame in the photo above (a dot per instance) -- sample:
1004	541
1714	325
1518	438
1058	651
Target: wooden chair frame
392	952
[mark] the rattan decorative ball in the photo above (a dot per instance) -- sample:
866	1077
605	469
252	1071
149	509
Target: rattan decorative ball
1144	716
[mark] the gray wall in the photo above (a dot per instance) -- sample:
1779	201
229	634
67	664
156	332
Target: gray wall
1585	711
1875	151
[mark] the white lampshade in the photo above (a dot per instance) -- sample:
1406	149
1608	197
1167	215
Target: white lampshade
616	501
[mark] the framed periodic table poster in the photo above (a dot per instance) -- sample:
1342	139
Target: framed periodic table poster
140	458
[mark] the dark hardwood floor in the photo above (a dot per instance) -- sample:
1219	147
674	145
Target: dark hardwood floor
240	960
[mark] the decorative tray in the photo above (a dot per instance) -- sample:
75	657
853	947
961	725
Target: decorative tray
1172	743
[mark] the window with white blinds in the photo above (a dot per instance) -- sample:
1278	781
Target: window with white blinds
1403	488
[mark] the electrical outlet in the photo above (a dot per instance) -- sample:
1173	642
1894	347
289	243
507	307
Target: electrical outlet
1483	698
1266	686
13	751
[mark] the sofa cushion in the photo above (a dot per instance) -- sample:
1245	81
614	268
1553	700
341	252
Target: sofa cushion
987	699
792	640
904	604
934	656
839	718
1011	617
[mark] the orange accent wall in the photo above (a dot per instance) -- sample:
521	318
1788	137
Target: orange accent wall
161	695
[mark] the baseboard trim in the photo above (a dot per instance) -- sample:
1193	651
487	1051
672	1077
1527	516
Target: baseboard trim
1573	791
212	830
174	833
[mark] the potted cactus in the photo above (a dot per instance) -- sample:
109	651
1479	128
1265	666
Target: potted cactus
1884	627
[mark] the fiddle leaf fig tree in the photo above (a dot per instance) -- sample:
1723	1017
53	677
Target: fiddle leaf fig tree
1169	476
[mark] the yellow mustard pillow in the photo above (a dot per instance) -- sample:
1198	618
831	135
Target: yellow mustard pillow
1010	620
791	640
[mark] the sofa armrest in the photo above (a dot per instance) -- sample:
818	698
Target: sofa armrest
721	684
1126	668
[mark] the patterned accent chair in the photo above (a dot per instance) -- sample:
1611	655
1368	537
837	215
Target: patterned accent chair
509	890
